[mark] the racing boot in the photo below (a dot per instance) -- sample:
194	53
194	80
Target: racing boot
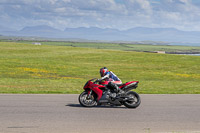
118	90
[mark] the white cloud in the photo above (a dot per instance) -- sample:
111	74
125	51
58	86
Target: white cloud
120	14
60	10
144	4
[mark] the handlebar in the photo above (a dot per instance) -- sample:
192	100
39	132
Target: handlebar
96	80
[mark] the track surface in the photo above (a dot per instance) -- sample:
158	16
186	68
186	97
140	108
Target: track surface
63	114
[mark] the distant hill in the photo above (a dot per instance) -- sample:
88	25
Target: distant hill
41	28
7	31
94	33
41	31
2	28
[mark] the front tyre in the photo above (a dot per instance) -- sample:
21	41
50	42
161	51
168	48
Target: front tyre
86	101
133	101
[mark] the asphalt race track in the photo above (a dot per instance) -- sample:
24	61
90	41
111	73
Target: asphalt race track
63	114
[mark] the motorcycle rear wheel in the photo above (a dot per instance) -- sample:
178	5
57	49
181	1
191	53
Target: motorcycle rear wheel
135	100
85	101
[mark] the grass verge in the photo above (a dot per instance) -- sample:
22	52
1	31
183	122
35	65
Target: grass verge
27	68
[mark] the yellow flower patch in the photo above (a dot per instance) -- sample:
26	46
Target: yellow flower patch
34	70
182	75
42	73
188	75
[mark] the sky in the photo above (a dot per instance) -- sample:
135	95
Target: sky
116	14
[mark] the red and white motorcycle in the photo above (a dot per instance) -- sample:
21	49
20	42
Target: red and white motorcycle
99	93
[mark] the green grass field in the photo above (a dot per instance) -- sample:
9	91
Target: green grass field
27	68
123	46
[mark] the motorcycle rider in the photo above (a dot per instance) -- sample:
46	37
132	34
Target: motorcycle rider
114	80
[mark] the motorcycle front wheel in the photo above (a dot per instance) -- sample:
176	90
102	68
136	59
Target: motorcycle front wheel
86	101
134	100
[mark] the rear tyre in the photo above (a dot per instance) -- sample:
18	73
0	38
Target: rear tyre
85	101
134	101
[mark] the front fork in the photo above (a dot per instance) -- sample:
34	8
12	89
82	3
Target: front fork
89	94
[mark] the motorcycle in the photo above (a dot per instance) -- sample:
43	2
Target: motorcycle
100	93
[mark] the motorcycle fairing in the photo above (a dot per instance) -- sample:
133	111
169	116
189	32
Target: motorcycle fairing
129	84
95	88
99	92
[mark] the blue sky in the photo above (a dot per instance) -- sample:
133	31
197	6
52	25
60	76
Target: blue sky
117	14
